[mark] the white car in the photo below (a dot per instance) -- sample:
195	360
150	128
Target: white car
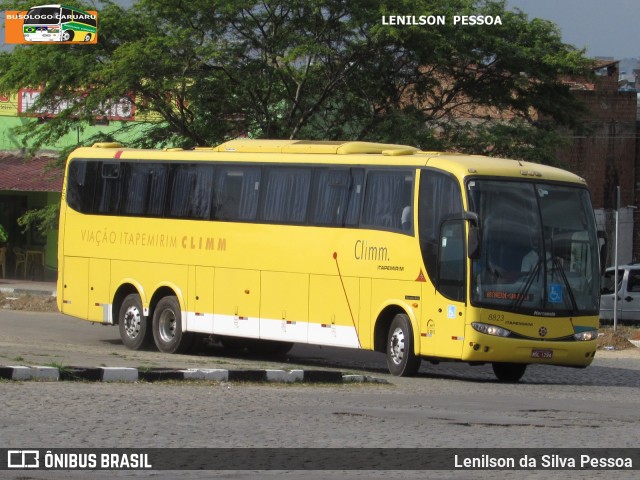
628	294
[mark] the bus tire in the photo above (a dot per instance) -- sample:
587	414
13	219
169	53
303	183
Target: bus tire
87	37
509	372
133	325
167	327
67	36
401	358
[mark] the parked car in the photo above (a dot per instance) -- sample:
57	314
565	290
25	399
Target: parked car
628	294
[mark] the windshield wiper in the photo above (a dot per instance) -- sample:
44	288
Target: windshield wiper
527	284
558	266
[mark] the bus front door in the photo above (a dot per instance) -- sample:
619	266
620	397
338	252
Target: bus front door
442	325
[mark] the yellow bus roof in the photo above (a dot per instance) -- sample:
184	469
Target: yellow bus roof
244	145
337	152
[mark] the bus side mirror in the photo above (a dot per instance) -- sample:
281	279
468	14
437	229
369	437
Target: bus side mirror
473	242
602	241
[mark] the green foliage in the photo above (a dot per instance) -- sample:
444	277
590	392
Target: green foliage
4	236
214	69
43	219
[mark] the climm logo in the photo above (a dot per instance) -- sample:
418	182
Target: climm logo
363	251
51	24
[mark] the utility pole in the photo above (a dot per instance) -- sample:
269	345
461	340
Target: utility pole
615	261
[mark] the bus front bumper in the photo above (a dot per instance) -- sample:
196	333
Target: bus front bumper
488	348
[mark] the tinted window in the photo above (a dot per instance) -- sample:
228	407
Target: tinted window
43	16
109	189
355	197
191	191
439	199
81	185
608	281
387	201
633	282
321	196
236	193
145	189
286	194
451	268
331	196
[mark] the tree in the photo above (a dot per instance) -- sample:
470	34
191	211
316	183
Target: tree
213	69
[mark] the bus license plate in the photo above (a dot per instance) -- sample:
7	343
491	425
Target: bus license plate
542	354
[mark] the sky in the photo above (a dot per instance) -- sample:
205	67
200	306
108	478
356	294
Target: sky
606	28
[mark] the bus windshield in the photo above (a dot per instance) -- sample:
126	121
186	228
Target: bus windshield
538	248
43	16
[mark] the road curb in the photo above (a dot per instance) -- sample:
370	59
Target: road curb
125	374
27	291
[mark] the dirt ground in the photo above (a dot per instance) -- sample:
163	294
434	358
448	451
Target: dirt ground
30	303
607	340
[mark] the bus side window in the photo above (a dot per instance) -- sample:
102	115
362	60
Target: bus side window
201	193
331	193
286	194
191	191
67	15
159	175
80	185
236	193
406	218
385	198
355	197
110	188
136	189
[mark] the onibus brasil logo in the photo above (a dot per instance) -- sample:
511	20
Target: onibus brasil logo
51	24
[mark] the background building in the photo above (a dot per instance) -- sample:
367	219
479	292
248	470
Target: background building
32	183
606	153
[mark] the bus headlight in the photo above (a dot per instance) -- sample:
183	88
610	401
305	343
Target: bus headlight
490	329
586	335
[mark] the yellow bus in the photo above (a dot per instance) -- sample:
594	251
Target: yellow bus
261	244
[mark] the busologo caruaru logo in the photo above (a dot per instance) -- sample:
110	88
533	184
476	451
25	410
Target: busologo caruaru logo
51	24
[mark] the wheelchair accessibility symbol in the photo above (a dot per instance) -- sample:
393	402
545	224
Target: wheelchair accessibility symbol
555	293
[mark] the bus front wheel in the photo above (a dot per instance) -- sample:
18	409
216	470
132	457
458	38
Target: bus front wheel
509	372
167	327
133	326
401	358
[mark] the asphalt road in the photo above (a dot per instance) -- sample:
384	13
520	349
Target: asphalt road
449	405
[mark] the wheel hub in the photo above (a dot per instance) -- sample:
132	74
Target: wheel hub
397	345
167	326
132	322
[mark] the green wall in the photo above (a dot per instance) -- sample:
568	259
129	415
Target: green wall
10	141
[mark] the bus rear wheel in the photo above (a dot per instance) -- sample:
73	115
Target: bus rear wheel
133	326
401	358
509	372
167	327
